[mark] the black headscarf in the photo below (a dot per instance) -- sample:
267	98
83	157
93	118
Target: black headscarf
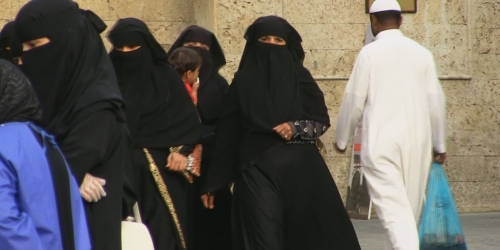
159	110
271	87
18	101
209	93
72	74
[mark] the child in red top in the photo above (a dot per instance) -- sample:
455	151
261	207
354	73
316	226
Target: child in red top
187	62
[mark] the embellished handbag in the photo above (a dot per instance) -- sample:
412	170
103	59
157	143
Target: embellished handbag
194	162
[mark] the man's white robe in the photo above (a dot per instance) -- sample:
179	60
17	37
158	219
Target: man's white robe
395	89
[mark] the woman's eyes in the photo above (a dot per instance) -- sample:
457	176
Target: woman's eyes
271	39
34	44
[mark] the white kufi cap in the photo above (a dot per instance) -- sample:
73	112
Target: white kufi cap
385	5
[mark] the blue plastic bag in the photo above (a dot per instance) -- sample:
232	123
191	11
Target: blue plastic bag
440	226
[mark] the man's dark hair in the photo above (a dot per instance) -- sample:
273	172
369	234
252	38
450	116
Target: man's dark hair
388	16
185	59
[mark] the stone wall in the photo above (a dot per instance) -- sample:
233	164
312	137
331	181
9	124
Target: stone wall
464	36
165	18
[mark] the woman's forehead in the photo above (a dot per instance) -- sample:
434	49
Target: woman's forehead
271	28
197	35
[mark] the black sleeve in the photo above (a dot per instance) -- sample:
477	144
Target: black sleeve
223	167
223	84
88	144
186	150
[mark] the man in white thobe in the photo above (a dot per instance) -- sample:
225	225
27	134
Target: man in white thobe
395	89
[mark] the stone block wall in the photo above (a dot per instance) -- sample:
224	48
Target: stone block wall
464	36
165	18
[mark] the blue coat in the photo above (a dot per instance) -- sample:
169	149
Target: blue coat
28	209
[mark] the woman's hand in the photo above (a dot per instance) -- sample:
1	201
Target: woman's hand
92	188
176	162
208	201
196	85
284	131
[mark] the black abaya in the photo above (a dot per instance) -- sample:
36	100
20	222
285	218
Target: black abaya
161	115
101	141
212	85
284	195
212	227
152	206
289	197
82	106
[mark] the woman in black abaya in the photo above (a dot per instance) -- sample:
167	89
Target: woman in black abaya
212	85
160	115
212	226
68	66
284	195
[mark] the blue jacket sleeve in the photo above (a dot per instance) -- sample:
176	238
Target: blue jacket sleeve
17	230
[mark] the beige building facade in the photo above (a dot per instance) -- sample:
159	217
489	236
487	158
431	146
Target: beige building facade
464	36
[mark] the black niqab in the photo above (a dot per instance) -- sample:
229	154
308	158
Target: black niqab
271	87
159	110
195	33
72	74
18	101
209	93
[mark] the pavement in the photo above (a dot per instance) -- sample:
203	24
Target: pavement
482	232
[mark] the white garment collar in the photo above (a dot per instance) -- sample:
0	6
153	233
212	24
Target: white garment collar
388	33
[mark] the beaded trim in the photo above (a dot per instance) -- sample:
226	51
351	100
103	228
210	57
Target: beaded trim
301	142
165	195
